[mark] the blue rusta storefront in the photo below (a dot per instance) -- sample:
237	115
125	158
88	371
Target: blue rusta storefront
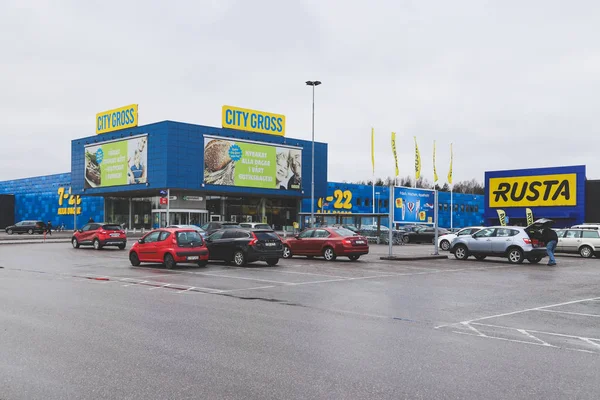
557	193
203	173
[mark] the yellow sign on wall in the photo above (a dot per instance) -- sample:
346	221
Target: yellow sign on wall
533	191
74	200
119	118
253	121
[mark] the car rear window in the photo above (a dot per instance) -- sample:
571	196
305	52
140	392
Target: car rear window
344	232
266	236
591	234
230	226
262	226
188	238
111	227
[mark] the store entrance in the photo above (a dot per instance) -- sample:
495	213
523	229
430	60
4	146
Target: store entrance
179	217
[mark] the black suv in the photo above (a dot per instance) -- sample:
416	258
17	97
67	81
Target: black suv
30	227
212	227
242	246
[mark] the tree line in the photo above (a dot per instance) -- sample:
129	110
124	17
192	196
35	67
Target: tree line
468	187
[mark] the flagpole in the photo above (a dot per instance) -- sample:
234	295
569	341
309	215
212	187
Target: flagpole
451	206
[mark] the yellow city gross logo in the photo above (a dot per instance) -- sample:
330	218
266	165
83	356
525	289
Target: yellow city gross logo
537	191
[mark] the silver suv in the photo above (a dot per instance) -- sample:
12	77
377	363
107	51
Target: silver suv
513	242
585	241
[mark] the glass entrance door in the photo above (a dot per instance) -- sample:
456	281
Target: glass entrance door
179	217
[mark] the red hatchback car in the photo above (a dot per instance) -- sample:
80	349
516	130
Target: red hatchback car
170	246
327	242
99	234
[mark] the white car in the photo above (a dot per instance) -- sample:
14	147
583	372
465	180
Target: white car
445	241
200	231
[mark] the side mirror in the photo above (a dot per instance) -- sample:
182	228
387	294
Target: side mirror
140	241
80	230
297	237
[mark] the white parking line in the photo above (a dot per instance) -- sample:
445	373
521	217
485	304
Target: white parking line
569	312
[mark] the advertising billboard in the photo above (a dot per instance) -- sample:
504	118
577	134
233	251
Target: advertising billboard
117	162
253	121
234	162
414	205
119	118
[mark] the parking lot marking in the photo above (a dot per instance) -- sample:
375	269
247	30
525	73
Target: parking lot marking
250	288
540	332
569	312
160	287
236	277
532	309
524	332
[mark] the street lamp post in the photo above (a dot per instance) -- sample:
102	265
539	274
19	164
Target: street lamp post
312	190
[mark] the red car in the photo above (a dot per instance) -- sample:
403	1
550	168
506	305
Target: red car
327	242
99	234
170	246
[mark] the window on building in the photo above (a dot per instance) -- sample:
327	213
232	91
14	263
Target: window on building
462	208
358	202
367	202
445	206
441	207
476	208
456	208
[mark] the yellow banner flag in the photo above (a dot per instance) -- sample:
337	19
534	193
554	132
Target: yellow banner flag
529	214
435	176
417	161
451	159
501	217
373	149
394	151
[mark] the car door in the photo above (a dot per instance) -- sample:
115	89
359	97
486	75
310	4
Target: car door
502	239
316	243
83	236
571	241
162	244
19	227
215	245
147	247
560	245
301	245
481	241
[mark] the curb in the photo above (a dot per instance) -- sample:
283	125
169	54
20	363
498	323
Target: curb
414	258
6	242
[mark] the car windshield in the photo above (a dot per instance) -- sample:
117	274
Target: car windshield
344	232
231	226
111	227
188	238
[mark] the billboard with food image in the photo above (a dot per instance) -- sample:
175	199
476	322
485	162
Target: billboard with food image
117	162
252	164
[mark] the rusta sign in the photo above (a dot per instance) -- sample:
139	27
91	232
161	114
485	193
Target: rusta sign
557	192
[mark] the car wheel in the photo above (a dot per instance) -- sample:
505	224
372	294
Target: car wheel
272	261
406	239
134	259
10	231
170	261
329	254
30	231
515	256
461	252
97	244
353	258
586	251
75	243
239	259
121	247
480	258
287	252
202	263
445	245
534	260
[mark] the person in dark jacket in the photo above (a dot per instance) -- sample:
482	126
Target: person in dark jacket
90	220
550	237
49	228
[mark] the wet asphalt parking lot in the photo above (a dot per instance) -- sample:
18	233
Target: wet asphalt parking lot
85	324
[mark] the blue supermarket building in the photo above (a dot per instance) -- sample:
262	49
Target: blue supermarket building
169	172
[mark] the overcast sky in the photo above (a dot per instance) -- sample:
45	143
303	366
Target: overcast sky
513	84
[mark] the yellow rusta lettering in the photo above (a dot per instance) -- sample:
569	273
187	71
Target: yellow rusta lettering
533	191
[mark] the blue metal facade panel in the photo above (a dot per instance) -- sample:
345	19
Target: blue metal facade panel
565	216
38	198
176	160
468	208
